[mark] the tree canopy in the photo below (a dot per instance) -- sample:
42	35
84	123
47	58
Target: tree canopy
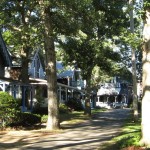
92	33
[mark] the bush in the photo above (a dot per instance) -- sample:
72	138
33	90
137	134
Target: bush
19	101
44	118
74	104
41	110
44	110
63	108
27	119
8	109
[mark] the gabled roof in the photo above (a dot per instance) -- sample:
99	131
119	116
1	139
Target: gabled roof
67	73
37	53
62	72
4	52
59	65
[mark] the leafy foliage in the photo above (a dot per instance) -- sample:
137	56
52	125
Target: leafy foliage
9	108
94	39
74	104
63	108
93	43
90	30
10	114
26	119
127	139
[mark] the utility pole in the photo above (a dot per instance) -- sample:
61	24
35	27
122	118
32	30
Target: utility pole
135	99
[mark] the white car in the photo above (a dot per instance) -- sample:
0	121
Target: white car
119	105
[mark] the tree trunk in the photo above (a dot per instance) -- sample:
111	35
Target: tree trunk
24	72
135	99
53	114
87	110
146	82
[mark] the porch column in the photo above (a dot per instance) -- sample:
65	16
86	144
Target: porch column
4	89
68	81
11	90
72	93
31	98
107	99
115	99
59	93
98	98
19	91
23	98
125	99
14	91
66	91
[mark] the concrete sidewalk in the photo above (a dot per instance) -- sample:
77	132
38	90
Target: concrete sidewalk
87	136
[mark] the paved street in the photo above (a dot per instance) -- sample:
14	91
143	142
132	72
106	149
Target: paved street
87	136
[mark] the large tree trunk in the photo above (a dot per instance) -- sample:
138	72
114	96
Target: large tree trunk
25	61
135	99
146	82
25	78
53	113
87	110
25	40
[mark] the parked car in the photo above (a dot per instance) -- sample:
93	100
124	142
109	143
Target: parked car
119	105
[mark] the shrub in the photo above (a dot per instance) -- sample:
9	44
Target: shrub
19	101
8	109
44	110
41	110
27	119
63	108
74	104
44	118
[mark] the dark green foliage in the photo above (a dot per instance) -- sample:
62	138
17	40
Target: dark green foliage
99	5
44	110
19	101
74	104
97	28
26	119
124	74
41	110
63	111
8	108
129	140
10	114
63	108
44	118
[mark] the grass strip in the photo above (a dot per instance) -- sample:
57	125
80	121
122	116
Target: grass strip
129	137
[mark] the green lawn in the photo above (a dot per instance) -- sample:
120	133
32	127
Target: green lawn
129	137
75	116
78	116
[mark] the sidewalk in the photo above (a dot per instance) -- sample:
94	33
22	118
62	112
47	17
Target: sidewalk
87	136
